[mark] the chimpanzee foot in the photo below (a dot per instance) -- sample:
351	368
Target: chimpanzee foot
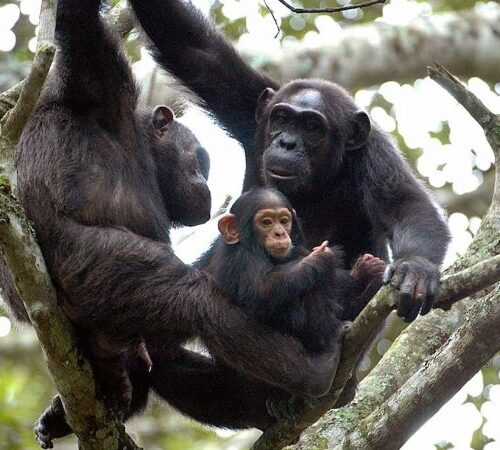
51	424
284	406
348	393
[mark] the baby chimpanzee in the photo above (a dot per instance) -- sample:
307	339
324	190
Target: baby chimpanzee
262	265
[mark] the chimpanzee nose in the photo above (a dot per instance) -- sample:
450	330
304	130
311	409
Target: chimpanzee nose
288	142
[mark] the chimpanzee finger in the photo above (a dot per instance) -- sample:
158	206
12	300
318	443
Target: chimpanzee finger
429	295
43	436
388	273
400	275
406	303
270	405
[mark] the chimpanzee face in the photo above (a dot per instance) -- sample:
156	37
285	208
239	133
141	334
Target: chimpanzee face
307	130
297	140
183	167
273	227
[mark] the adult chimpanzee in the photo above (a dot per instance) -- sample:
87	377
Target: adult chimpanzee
308	139
261	264
102	183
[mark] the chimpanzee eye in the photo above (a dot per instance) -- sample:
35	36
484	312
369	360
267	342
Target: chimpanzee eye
311	126
279	118
284	220
266	221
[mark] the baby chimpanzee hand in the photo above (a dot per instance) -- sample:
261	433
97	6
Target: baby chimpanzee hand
368	268
323	248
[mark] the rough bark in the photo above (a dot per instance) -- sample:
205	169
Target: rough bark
96	428
426	335
14	120
362	55
452	288
467	350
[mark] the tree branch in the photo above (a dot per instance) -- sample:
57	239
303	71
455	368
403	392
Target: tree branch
467	350
14	120
95	427
371	54
9	98
452	288
330	10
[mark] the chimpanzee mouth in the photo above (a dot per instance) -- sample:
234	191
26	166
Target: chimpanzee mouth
280	174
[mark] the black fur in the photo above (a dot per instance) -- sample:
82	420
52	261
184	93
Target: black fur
296	297
102	183
353	188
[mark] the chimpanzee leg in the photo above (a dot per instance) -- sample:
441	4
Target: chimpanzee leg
52	423
113	383
209	392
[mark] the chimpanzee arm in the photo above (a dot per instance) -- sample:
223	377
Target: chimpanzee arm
289	282
417	231
93	74
189	46
131	286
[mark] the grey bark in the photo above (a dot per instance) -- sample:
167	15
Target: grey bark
426	335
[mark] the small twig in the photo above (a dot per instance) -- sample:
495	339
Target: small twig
274	18
330	10
489	121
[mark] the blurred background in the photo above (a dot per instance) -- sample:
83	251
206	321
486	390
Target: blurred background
379	54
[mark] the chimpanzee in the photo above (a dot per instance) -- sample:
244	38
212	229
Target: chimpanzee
102	183
342	174
261	264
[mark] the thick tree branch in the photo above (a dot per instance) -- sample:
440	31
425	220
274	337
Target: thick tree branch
96	428
452	288
370	54
467	350
427	334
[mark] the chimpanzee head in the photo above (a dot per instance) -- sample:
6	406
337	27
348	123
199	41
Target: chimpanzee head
305	130
183	167
263	221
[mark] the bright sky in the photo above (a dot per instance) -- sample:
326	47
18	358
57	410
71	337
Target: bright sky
418	110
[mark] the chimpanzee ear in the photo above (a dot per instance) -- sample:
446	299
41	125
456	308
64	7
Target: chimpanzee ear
162	117
360	130
264	98
228	229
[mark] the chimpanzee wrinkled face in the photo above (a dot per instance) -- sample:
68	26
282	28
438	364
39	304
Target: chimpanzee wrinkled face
308	127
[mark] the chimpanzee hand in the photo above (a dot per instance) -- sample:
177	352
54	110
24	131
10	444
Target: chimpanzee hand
323	248
417	280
